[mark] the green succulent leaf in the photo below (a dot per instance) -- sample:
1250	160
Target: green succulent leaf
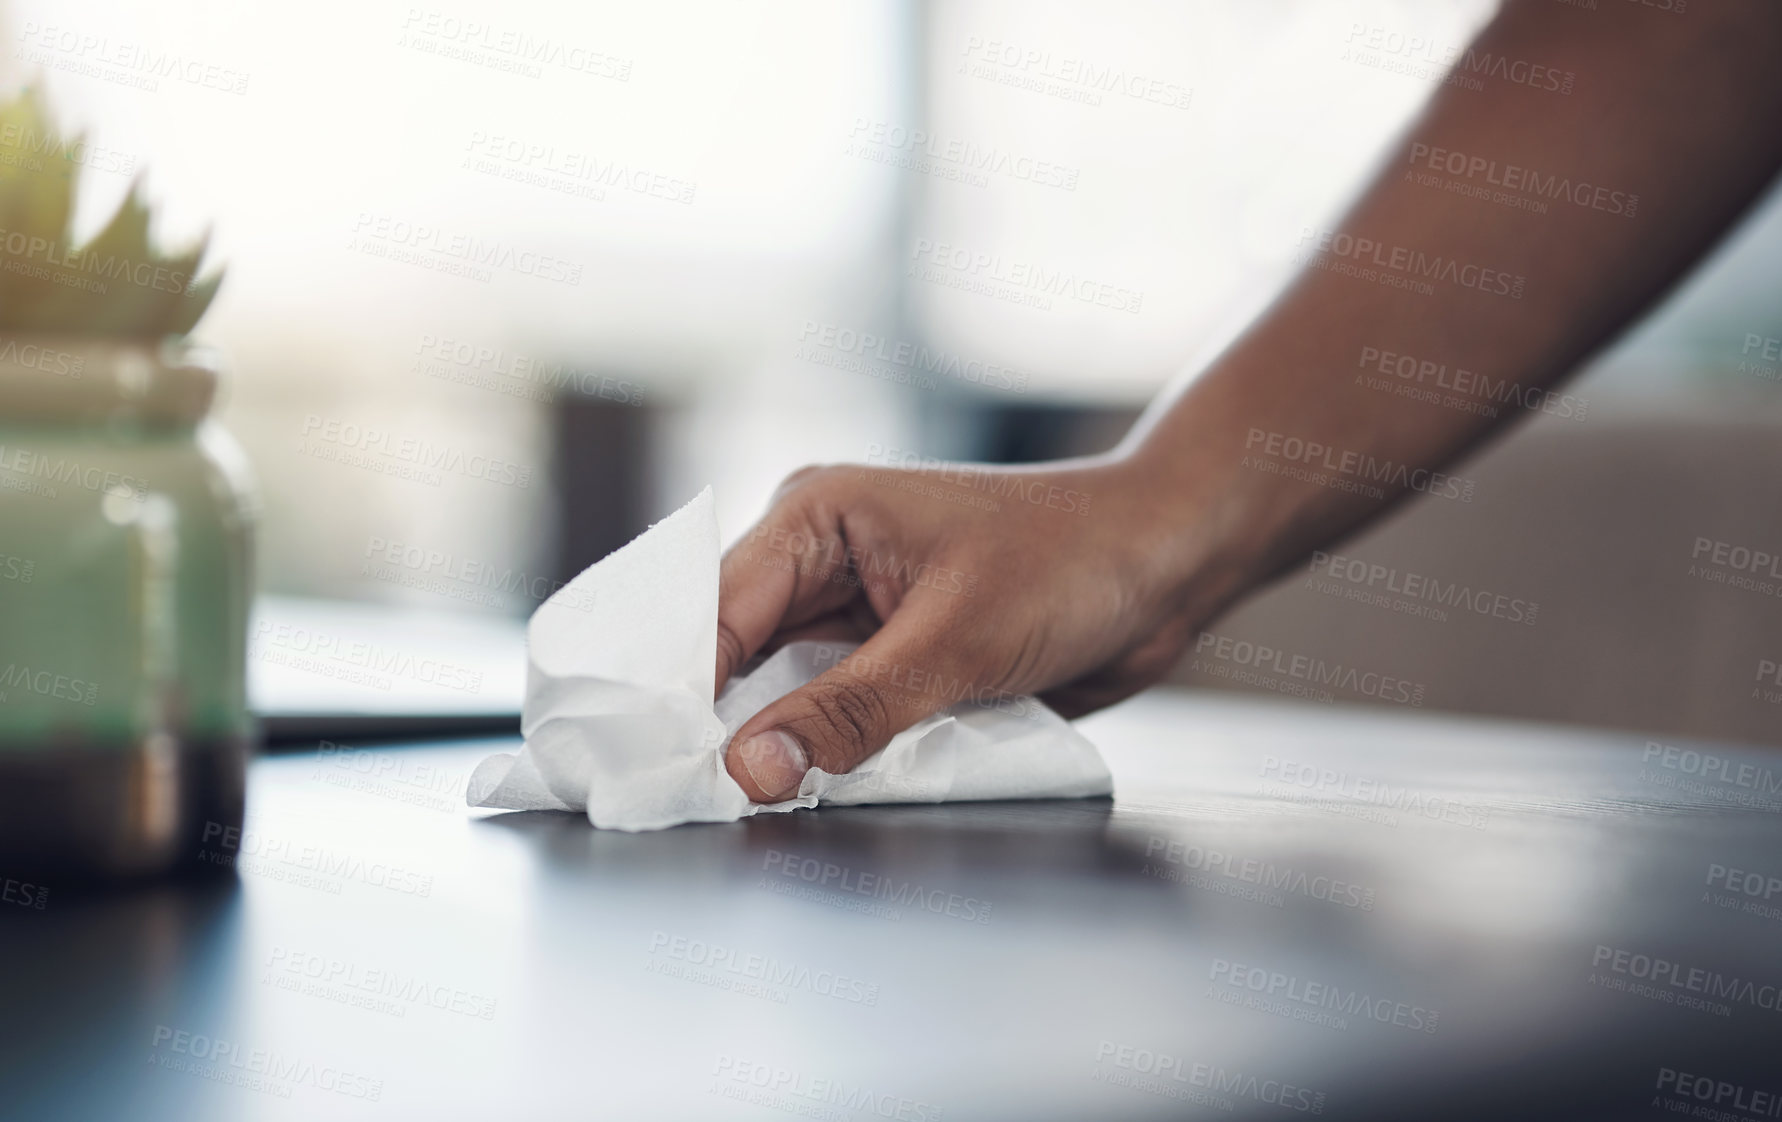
117	285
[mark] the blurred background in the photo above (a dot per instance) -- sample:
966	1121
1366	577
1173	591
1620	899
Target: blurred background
506	282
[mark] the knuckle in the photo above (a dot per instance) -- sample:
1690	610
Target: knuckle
730	647
797	477
847	716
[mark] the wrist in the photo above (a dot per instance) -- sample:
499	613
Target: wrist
1203	530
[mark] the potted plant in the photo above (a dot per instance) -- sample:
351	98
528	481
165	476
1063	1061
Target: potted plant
126	518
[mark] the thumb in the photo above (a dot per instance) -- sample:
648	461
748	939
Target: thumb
899	676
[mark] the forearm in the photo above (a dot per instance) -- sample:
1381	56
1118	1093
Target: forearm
1296	435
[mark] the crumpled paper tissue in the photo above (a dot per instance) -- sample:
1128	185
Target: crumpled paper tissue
619	720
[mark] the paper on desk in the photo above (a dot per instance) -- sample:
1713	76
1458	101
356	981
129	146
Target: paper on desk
618	718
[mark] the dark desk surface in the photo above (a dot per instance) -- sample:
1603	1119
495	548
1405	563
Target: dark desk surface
1457	919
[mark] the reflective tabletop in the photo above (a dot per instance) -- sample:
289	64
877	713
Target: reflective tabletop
1287	909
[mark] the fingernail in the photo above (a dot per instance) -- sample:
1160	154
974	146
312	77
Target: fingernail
775	762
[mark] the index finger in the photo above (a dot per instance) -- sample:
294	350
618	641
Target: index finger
754	595
778	576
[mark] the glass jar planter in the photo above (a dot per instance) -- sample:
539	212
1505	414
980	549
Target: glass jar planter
126	523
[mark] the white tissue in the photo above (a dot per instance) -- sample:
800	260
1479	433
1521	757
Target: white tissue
619	721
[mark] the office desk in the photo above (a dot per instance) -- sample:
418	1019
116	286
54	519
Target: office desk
1440	918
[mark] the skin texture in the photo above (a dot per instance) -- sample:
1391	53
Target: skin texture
1084	581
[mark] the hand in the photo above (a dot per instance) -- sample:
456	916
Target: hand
1072	581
